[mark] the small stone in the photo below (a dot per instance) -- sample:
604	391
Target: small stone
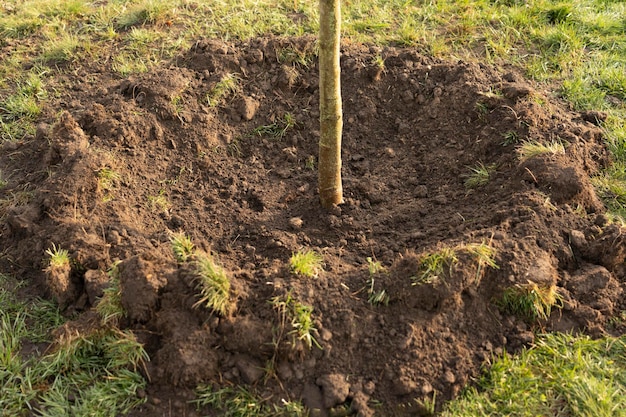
296	223
449	377
326	335
427	388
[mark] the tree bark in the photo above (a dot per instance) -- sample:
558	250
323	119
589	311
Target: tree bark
331	118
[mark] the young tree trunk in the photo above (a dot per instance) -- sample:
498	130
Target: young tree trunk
331	118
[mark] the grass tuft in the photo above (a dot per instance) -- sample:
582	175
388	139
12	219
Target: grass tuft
307	263
375	297
479	175
239	402
435	266
182	246
213	284
59	258
81	374
530	149
299	316
159	203
530	301
277	129
110	305
228	85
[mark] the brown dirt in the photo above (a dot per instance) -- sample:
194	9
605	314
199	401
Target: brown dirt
410	135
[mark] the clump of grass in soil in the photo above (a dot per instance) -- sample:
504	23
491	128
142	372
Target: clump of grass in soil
375	297
110	305
213	284
484	253
611	186
510	137
229	84
479	175
300	319
159	202
182	246
277	129
107	177
239	402
306	263
58	258
530	149
80	374
435	266
574	375
530	301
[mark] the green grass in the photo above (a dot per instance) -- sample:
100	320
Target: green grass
239	402
108	179
375	296
479	175
306	263
435	266
159	203
93	374
299	318
530	149
58	258
110	305
182	246
228	85
562	375
213	284
530	301
278	129
20	108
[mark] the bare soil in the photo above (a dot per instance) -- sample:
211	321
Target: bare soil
412	132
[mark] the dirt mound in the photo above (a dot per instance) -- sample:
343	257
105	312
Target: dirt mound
221	145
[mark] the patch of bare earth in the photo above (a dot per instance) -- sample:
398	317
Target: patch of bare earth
411	134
